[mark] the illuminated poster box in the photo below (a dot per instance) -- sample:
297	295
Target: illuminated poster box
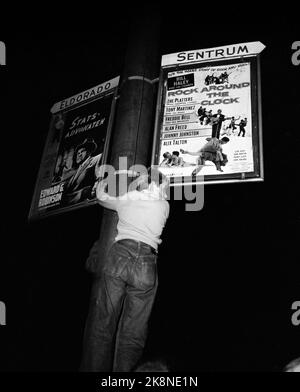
208	120
76	147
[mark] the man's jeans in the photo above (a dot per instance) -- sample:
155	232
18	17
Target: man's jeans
116	328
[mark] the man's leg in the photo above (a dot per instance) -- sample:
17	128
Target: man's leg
224	160
219	125
215	159
100	331
199	165
133	327
218	166
214	130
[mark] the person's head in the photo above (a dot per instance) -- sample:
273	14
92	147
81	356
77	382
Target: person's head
155	181
175	154
293	366
81	155
167	155
219	111
224	140
84	150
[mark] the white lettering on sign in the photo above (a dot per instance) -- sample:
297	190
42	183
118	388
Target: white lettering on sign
296	55
222	52
2	53
2	313
85	95
296	315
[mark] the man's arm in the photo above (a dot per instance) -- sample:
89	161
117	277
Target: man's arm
180	161
104	199
196	153
96	162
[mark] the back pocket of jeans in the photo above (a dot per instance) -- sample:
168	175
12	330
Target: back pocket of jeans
115	265
145	272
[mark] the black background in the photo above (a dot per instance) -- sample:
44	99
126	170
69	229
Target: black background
228	274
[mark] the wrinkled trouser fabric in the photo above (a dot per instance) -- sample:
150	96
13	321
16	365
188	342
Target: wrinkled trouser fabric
122	300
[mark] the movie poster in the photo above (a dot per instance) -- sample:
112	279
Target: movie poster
75	149
207	121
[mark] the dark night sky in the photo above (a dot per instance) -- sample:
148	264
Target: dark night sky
228	274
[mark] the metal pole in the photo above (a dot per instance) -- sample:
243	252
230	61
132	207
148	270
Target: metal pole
132	135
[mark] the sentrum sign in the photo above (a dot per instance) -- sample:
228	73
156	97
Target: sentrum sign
219	53
208	119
